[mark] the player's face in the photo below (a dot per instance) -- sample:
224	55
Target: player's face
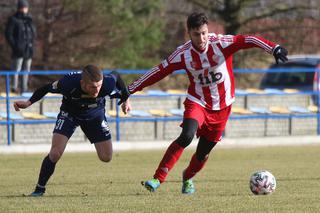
199	37
91	88
24	10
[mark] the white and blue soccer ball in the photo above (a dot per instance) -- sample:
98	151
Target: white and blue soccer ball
262	183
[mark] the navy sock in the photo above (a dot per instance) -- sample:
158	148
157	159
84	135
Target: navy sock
47	169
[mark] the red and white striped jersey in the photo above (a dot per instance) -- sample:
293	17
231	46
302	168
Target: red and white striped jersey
210	72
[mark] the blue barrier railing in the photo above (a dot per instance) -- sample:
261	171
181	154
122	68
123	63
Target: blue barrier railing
9	121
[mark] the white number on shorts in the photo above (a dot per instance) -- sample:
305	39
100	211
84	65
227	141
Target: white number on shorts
59	124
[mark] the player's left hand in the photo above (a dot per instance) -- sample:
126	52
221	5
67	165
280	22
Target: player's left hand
280	53
126	106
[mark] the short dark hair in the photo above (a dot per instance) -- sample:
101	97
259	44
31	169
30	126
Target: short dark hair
196	20
91	73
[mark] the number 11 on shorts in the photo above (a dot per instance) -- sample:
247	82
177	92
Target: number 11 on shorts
59	124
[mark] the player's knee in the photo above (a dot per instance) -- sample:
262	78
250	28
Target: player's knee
105	158
185	138
202	156
55	155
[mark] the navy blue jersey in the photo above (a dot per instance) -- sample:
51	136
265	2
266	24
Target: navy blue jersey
77	102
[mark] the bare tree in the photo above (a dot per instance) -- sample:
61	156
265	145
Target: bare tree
237	13
75	32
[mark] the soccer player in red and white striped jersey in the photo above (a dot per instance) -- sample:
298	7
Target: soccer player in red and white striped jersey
207	59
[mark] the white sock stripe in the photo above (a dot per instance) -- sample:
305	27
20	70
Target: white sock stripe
43	187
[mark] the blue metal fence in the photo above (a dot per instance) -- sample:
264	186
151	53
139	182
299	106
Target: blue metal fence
8	122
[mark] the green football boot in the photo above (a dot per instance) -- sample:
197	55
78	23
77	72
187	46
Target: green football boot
188	187
152	184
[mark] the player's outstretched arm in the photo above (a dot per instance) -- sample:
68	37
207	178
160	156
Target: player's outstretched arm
122	87
36	96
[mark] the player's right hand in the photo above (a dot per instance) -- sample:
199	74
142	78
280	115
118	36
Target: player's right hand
21	105
280	54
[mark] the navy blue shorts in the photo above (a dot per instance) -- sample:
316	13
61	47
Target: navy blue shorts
96	129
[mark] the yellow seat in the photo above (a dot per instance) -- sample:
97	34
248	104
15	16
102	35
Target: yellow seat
313	108
139	93
11	94
32	115
159	112
280	110
290	90
254	90
242	111
113	113
176	91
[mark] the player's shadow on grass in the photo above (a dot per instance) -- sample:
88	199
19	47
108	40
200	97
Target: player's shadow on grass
47	195
241	180
297	179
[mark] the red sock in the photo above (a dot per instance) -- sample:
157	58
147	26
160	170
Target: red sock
171	156
194	167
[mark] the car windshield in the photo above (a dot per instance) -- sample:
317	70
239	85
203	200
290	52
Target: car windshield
289	79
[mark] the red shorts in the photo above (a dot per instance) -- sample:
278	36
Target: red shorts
211	122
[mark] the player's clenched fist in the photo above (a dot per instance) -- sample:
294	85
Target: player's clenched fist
21	105
126	106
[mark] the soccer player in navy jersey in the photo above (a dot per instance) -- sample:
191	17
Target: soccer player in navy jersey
83	104
207	60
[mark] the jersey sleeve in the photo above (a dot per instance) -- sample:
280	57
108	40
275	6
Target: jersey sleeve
172	63
231	44
42	91
66	84
109	83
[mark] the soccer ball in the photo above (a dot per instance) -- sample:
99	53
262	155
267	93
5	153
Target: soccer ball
262	183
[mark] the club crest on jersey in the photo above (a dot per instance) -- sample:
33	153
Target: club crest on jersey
215	58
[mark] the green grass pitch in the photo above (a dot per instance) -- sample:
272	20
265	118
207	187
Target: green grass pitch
82	183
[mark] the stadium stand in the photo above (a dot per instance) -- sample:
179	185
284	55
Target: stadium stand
157	115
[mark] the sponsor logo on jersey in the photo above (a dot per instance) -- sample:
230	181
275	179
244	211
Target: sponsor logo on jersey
92	105
86	96
215	76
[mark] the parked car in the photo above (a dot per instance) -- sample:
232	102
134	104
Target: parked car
305	81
